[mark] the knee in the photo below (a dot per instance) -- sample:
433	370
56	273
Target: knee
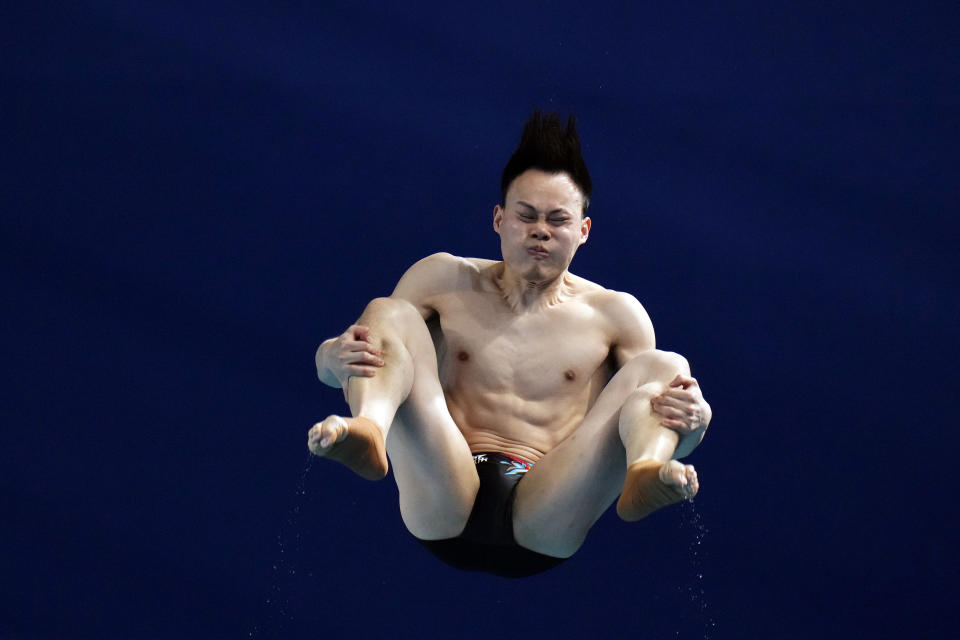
670	364
392	309
548	539
391	320
440	512
657	366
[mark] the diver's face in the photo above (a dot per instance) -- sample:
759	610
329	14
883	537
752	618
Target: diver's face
541	224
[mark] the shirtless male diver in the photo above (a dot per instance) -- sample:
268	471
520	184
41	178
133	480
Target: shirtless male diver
514	399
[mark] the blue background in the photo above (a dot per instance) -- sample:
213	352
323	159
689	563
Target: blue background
194	196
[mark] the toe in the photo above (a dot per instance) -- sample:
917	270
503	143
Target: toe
328	433
680	474
693	482
324	435
313	438
333	430
673	473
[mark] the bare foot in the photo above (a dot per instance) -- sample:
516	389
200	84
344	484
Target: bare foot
683	476
356	443
650	485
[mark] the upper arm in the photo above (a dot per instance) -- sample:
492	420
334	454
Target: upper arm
425	279
631	326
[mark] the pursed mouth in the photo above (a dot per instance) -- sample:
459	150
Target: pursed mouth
538	251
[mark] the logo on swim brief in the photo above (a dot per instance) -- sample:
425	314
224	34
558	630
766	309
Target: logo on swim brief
516	467
480	457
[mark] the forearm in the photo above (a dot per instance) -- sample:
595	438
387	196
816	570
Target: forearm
323	371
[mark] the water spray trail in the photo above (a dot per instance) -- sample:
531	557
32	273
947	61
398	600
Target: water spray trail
695	551
284	565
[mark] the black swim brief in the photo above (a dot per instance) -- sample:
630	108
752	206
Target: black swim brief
487	542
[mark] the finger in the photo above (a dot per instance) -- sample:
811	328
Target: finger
677	425
359	332
356	345
349	353
671	412
683	381
679	394
684	404
363	357
361	371
679	399
673	423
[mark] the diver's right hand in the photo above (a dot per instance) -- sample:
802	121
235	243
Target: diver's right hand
352	353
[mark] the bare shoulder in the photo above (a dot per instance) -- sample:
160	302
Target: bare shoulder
434	275
590	292
621	307
479	265
628	322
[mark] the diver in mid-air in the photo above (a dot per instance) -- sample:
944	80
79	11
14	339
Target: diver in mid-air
514	400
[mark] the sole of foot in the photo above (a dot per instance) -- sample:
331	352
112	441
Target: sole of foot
650	485
357	443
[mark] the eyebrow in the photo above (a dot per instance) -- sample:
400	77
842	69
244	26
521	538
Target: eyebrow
533	208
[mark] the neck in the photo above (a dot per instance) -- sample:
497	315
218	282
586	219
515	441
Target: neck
521	294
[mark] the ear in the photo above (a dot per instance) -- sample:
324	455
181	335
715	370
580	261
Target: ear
585	225
497	218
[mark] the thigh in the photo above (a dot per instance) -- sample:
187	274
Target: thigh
574	483
431	461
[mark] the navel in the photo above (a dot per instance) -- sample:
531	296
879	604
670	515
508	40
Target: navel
570	375
463	356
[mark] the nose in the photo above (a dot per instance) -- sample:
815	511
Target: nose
540	231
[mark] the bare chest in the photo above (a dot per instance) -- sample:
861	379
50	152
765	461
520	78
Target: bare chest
489	348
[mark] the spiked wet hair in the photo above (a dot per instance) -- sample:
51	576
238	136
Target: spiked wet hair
548	145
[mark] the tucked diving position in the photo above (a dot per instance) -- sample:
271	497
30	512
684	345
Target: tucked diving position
514	400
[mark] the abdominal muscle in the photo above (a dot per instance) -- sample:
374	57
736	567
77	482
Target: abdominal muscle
506	423
515	383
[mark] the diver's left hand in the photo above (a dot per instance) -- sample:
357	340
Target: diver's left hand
682	406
